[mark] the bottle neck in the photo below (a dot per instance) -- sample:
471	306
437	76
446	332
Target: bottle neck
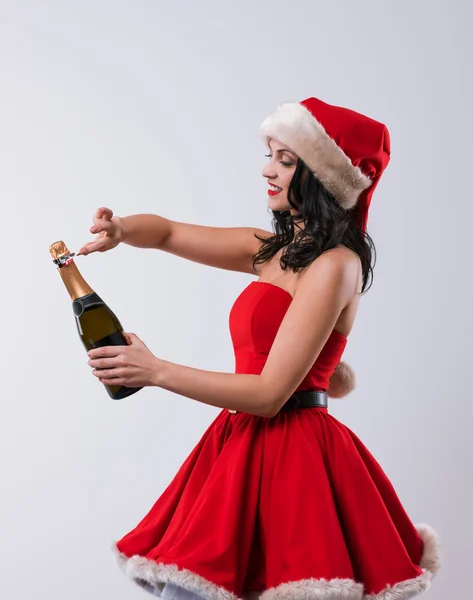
75	284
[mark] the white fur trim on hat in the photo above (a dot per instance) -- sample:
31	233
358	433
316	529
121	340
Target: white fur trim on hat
296	127
342	381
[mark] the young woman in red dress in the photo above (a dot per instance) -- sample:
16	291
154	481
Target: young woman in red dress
278	500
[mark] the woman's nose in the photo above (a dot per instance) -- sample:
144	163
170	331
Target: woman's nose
268	171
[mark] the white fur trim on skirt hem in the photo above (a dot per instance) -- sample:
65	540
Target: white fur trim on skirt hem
153	576
429	563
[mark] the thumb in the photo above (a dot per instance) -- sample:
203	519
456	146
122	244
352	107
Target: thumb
131	338
87	249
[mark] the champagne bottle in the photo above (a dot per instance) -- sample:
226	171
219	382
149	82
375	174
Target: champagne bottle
97	325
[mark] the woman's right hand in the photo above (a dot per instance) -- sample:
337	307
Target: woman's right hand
109	232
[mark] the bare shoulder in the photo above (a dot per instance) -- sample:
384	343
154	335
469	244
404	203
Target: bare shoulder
343	255
337	271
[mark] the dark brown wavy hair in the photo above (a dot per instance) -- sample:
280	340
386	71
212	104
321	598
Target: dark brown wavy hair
325	225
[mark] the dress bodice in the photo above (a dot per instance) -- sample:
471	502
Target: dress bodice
254	320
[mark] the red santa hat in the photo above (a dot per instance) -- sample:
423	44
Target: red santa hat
348	153
346	150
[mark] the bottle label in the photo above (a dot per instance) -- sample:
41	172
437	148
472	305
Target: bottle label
114	339
86	302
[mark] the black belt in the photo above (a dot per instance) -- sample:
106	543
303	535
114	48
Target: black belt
306	399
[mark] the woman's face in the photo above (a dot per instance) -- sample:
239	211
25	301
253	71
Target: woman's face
279	171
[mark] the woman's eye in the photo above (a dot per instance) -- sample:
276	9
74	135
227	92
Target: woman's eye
283	162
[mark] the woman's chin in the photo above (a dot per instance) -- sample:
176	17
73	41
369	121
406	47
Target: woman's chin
274	203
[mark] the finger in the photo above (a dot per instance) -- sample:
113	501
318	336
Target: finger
104	212
102	225
134	339
103	363
104	352
96	246
114	381
87	249
131	338
107	373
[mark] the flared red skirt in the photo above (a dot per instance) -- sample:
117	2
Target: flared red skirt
293	507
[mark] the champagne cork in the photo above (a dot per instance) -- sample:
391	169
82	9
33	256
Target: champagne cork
58	249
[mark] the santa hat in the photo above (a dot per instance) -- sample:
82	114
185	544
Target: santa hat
346	150
348	153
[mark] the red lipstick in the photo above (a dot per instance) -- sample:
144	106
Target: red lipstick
272	192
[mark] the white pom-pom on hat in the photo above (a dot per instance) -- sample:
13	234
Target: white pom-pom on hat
342	381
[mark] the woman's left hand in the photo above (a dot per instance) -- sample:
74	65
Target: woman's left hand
133	365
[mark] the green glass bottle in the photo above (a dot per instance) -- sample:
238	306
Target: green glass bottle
97	324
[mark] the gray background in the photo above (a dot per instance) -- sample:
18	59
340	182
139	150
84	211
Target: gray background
155	107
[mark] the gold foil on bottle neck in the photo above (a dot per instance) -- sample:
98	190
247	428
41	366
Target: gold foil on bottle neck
58	249
73	280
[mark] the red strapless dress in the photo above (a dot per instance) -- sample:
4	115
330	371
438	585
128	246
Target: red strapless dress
293	507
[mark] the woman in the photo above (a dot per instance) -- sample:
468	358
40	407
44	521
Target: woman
278	500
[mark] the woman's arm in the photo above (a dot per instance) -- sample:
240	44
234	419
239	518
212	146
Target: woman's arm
245	393
328	285
230	248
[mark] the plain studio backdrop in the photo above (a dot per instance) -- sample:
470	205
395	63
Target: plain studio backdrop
151	106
